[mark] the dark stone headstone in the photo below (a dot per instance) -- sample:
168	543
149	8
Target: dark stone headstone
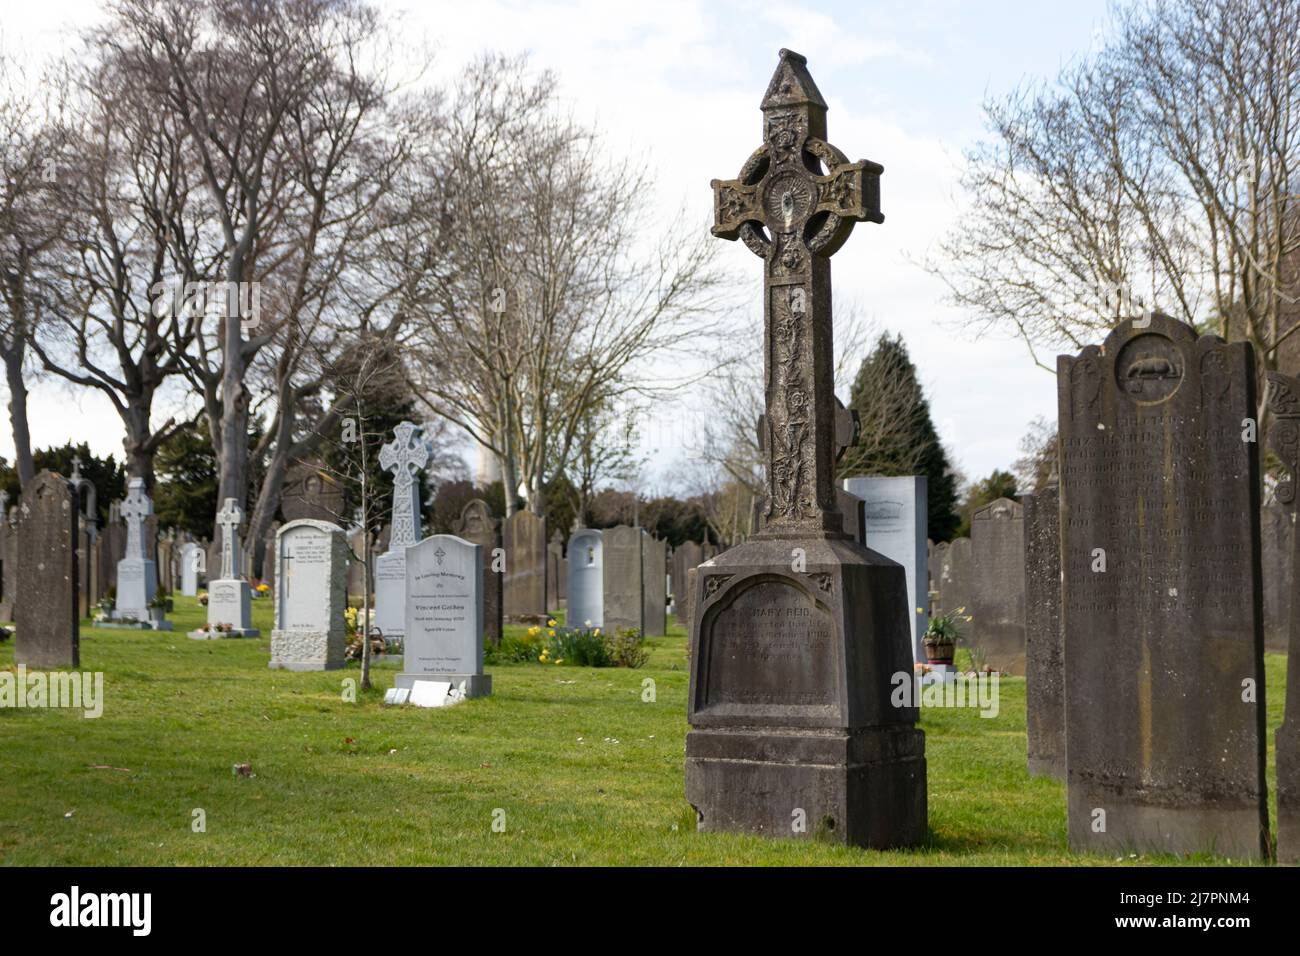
686	555
1284	441
554	579
1044	663
653	589
478	526
8	557
800	635
624	602
47	629
997	541
524	534
1164	677
952	581
310	493
1277	529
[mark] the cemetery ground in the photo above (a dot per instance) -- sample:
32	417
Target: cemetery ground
585	770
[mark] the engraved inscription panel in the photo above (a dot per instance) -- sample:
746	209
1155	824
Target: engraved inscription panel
770	645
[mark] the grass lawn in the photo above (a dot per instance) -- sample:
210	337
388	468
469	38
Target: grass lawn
584	770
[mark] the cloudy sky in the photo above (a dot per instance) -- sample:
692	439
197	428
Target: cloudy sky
679	83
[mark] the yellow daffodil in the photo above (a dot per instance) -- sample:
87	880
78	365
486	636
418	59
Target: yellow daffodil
550	623
559	660
551	633
534	631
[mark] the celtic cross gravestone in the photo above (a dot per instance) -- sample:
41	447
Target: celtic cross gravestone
798	635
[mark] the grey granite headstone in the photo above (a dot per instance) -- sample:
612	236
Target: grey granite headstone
444	615
895	512
997	541
229	604
8	559
1164	743
1284	441
654	586
624	602
47	630
311	585
1277	529
478	526
524	537
799	635
586	579
1044	662
405	456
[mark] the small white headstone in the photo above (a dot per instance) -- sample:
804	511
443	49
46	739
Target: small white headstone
430	693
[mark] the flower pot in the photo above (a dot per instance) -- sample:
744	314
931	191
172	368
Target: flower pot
939	653
157	614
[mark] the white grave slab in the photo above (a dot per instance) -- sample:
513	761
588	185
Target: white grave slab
444	615
586	597
311	584
896	515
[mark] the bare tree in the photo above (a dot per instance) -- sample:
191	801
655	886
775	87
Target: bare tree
545	306
1160	173
31	142
121	194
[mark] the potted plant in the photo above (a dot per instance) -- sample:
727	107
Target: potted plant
158	608
941	639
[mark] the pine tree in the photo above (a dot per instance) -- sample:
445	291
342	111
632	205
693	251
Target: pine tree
897	435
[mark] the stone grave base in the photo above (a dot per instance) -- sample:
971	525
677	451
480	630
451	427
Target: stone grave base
476	685
1163	823
864	787
130	624
1288	786
202	635
307	650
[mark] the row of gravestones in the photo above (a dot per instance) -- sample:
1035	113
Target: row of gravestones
986	578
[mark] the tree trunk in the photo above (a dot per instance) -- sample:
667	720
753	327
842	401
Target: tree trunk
13	358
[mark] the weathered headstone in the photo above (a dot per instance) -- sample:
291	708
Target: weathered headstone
686	555
798	634
229	605
477	526
309	492
1164	679
444	615
623	603
112	546
1044	662
997	540
1277	530
953	583
554	558
47	630
586	579
1284	441
524	536
8	560
653	587
137	573
310	596
896	513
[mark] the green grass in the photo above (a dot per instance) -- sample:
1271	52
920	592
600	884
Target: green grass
584	770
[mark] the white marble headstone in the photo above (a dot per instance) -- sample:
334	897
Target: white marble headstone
444	614
586	598
897	525
310	596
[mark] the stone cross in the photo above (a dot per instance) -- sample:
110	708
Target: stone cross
794	204
136	507
230	517
405	456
